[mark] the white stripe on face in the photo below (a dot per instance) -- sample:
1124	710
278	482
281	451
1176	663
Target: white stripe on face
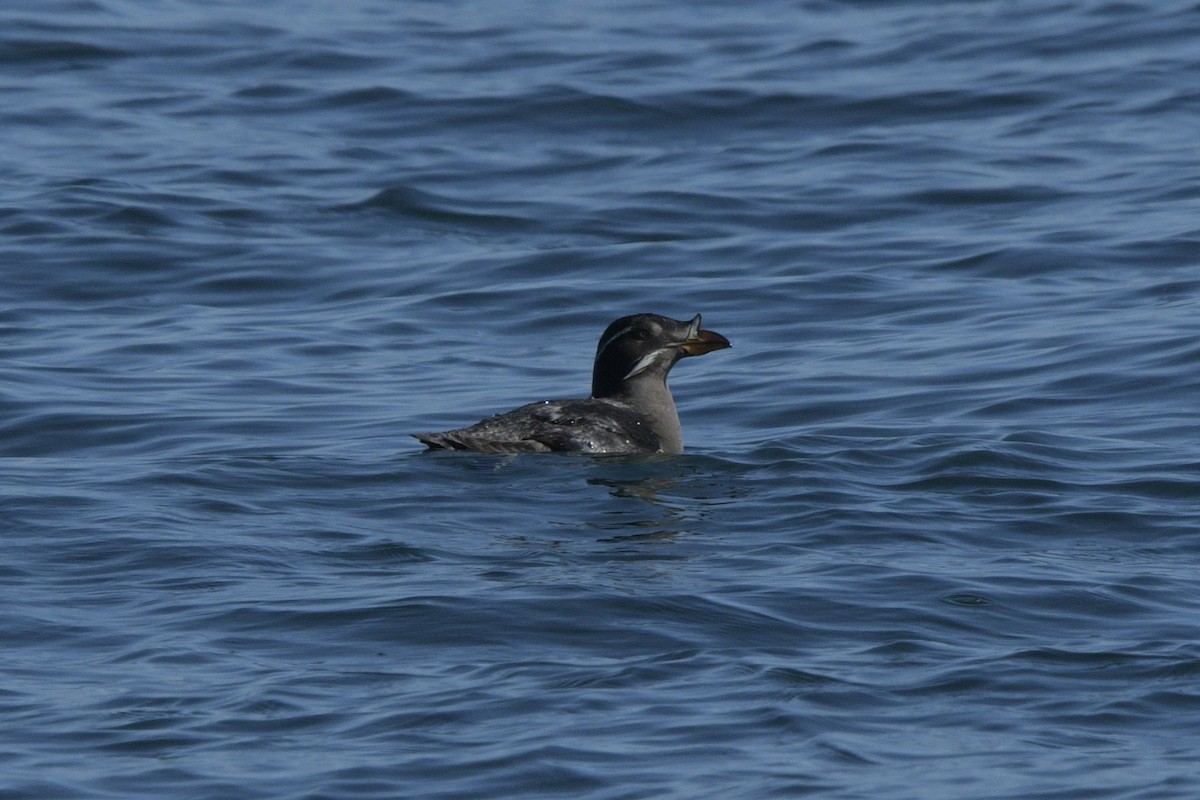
604	345
648	360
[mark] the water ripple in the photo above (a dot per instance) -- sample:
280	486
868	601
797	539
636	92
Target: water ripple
935	524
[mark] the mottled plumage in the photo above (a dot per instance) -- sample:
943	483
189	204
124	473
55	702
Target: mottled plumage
630	411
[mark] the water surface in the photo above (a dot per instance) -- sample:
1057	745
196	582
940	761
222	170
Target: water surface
934	534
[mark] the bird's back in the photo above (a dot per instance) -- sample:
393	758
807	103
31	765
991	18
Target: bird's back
565	426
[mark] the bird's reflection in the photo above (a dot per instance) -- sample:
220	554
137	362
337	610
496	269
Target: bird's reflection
673	497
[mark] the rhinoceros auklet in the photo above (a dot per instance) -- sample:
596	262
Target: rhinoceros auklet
630	411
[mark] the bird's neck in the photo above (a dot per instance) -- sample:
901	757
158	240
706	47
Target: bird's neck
653	399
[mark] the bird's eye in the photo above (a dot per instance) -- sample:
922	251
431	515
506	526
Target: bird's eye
641	333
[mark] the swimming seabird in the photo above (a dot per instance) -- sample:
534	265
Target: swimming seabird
630	411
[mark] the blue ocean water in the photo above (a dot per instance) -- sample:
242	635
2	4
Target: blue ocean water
937	528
